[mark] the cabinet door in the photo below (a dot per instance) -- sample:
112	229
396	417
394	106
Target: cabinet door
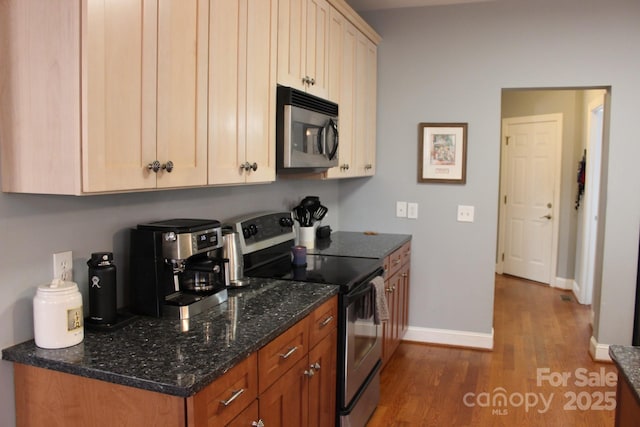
242	90
365	109
322	386
285	403
292	43
119	95
342	84
260	99
248	417
317	47
183	30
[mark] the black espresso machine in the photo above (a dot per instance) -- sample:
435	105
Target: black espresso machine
176	267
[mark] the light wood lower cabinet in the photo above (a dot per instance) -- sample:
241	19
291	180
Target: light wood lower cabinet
285	383
397	279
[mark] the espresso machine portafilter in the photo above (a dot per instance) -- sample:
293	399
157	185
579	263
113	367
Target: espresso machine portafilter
176	270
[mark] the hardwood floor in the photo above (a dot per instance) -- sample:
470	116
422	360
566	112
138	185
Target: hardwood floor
539	336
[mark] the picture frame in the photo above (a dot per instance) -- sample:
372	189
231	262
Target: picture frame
442	153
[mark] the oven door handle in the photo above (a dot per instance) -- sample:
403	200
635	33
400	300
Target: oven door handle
359	292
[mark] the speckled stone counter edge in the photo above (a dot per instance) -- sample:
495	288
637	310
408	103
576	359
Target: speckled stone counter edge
627	359
81	360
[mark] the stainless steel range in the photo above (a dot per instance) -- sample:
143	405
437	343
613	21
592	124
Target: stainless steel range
266	242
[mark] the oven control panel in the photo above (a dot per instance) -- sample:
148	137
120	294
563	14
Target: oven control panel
263	230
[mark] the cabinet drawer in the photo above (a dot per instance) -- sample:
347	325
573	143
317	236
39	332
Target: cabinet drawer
393	262
226	397
275	358
323	320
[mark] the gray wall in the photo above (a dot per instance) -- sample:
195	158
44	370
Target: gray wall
450	64
32	227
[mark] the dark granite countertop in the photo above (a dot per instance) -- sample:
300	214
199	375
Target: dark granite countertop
358	244
176	358
627	359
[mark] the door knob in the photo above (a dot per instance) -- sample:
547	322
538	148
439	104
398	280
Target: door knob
546	216
154	166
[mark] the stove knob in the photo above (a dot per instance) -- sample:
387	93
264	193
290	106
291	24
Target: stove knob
286	221
246	232
253	229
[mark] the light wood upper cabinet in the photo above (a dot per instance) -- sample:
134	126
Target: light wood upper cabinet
353	83
242	84
146	86
136	77
365	106
303	45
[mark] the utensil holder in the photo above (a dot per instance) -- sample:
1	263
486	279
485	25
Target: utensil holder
307	237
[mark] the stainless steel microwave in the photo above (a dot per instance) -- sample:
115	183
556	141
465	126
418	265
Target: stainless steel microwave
306	132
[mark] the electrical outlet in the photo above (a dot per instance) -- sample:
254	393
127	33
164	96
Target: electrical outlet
401	209
465	213
63	266
412	210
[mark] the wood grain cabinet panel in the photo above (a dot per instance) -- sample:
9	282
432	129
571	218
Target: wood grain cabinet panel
47	398
120	85
397	282
224	399
282	353
242	88
303	45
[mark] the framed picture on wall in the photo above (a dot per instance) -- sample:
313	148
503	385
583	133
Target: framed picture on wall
442	152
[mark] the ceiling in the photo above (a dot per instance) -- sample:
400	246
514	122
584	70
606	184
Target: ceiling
362	5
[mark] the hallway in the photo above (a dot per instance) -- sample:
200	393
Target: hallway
538	374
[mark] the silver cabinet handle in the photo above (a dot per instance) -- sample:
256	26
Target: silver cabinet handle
233	397
309	373
315	366
289	353
249	166
326	321
154	166
258	423
168	166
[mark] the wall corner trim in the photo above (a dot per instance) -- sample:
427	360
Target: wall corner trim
599	352
450	337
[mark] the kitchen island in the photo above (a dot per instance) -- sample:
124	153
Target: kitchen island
177	372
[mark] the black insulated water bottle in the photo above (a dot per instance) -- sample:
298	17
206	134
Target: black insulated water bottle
102	289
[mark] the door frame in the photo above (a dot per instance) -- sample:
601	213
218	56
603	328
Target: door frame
591	201
555	210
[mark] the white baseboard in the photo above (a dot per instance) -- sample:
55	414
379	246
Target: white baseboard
562	283
599	352
450	337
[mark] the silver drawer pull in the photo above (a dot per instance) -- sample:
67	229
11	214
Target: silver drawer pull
315	366
289	353
235	395
398	261
309	373
258	423
326	321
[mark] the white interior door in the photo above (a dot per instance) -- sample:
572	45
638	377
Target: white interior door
530	196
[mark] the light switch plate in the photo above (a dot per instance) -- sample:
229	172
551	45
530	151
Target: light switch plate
412	210
401	209
465	213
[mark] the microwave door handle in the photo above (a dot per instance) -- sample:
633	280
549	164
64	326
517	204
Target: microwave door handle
320	141
334	150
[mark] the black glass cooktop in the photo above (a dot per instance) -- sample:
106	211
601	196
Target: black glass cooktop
334	270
